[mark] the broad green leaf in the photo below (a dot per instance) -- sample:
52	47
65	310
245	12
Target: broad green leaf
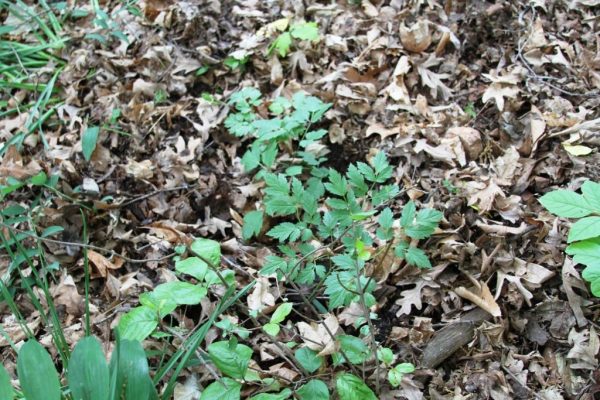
309	359
208	249
385	355
226	389
585	228
284	394
591	192
253	222
130	365
271	328
354	348
417	257
37	374
232	362
281	313
395	374
138	323
315	389
285	231
88	141
39	179
192	266
567	204
274	265
6	390
586	252
281	44
351	387
179	293
52	230
305	31
88	371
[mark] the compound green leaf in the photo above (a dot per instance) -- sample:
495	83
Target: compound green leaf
354	348
285	231
567	204
417	257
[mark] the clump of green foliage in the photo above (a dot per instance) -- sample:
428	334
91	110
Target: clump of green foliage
584	235
88	374
308	31
329	225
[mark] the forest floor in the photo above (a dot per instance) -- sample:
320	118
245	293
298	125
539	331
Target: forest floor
481	107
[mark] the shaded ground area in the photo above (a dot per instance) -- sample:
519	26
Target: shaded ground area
481	107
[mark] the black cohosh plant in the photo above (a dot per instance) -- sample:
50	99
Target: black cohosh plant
329	225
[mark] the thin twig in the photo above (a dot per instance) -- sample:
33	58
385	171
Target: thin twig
88	246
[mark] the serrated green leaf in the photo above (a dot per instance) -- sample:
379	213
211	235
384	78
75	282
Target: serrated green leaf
417	257
37	374
591	192
586	252
274	264
88	141
280	206
386	218
424	224
225	389
585	228
305	31
337	184
285	231
315	389
351	387
408	214
233	362
567	204
309	359
253	222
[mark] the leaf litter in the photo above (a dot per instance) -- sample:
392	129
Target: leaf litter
482	106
